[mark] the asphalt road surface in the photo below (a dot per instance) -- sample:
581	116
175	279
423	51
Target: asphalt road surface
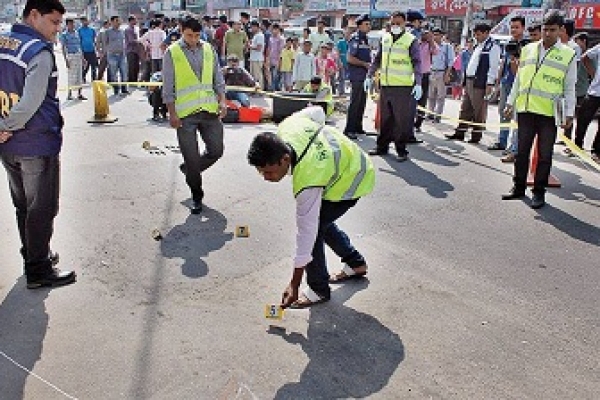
467	297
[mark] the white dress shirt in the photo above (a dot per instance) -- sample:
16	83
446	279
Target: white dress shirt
494	57
569	83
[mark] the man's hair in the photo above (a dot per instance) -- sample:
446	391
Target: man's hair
307	42
289	39
223	19
569	27
316	80
534	27
245	15
114	18
482	28
44	7
69	20
131	18
321	21
400	14
306	30
84	18
254	23
276	26
267	149
582	36
193	24
518	18
553	17
266	23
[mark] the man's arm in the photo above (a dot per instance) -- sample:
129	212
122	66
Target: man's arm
494	62
450	63
415	56
308	208
569	88
36	85
352	56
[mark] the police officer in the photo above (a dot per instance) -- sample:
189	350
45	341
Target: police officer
330	173
31	135
194	92
547	71
359	61
400	79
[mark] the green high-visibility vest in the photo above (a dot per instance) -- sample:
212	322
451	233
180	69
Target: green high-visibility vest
396	65
193	94
328	96
331	160
539	86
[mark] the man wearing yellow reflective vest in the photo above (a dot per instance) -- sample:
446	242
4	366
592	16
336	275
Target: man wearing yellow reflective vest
194	92
329	174
322	91
546	78
399	62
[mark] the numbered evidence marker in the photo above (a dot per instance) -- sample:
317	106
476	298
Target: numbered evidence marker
242	231
273	311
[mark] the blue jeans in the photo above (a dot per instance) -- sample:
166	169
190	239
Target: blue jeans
117	63
317	275
238	96
275	78
504	132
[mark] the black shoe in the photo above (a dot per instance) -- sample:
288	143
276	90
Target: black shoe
496	146
414	140
378	152
52	279
474	140
455	136
402	157
69	98
182	168
125	92
81	97
54	258
196	207
418	129
351	135
155	118
437	120
514	194
538	201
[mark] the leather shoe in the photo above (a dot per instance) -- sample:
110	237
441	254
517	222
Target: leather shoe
378	152
196	207
351	135
414	140
474	140
496	146
514	194
455	136
52	279
538	201
402	157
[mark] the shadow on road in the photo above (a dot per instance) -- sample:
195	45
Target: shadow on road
23	325
572	185
570	225
352	355
414	175
195	239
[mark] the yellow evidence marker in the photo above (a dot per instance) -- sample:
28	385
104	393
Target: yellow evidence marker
242	231
273	311
146	145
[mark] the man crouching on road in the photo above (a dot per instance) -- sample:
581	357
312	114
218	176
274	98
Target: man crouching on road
329	174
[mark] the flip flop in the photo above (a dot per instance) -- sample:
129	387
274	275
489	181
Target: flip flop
347	274
310	299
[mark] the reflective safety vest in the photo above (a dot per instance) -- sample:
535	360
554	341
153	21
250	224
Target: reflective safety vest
539	86
193	94
328	98
326	158
396	65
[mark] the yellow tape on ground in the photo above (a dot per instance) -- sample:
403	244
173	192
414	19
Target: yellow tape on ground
485	125
578	151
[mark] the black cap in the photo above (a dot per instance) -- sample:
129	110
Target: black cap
414	16
363	18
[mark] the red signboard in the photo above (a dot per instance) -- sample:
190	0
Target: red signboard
437	8
586	17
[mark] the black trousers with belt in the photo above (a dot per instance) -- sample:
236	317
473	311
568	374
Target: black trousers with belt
356	109
397	118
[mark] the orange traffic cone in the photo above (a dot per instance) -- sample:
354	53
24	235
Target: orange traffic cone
552	180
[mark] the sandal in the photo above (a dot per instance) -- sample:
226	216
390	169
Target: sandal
308	298
347	274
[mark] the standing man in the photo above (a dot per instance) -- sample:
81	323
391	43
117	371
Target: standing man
359	61
31	136
480	81
71	48
428	48
330	173
87	35
319	38
153	40
506	76
115	49
583	81
219	38
305	67
257	55
342	49
441	72
194	92
276	45
235	42
400	79
547	71
132	50
101	50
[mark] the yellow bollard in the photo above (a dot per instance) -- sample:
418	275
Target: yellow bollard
101	115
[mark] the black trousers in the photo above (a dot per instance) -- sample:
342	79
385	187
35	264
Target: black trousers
356	109
156	65
34	188
423	100
585	115
531	125
91	62
210	128
133	67
397	105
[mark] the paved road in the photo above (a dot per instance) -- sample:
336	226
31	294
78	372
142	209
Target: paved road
467	298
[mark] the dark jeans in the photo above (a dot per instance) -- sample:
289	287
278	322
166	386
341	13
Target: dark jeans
317	276
156	101
397	116
275	78
133	67
238	96
356	109
210	128
423	100
585	115
102	67
156	65
531	125
34	188
91	62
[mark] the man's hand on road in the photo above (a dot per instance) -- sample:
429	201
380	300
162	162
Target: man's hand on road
5	136
290	295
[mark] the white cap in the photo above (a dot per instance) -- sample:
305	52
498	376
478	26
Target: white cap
315	113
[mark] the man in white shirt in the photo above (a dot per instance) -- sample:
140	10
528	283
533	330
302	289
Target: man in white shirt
153	41
319	37
257	55
481	77
304	67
